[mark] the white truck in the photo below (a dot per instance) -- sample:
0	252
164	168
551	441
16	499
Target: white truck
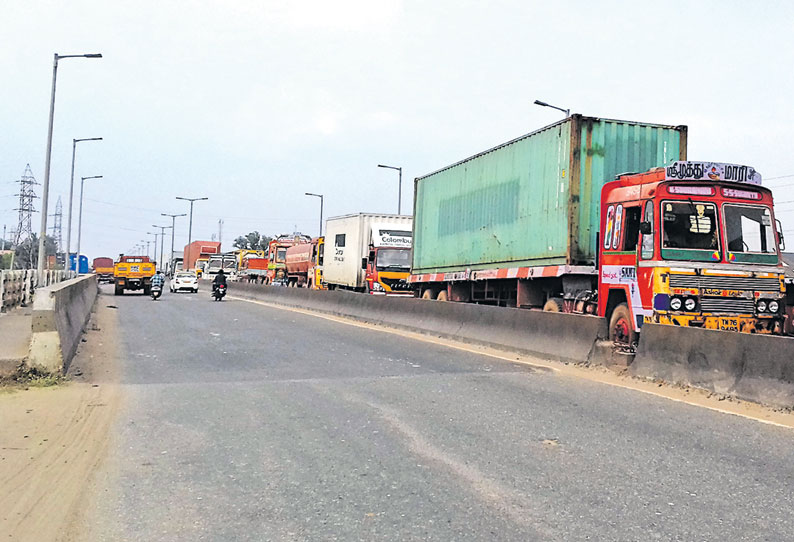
368	252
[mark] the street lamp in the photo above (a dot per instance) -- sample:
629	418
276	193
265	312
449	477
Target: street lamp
173	229
162	236
71	191
80	217
544	104
185	259
400	190
321	210
46	188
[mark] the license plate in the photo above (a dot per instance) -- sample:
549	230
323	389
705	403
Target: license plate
729	324
135	269
717	292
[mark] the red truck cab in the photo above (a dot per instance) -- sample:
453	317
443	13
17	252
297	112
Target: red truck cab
693	244
388	263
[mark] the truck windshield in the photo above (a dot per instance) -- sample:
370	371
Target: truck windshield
750	233
281	254
690	226
393	258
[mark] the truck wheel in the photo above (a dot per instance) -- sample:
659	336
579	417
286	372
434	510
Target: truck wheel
442	296
554	304
428	294
118	291
621	330
147	290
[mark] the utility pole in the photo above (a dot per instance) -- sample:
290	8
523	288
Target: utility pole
24	231
162	236
173	229
190	228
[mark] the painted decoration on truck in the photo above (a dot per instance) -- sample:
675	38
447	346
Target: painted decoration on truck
626	275
711	171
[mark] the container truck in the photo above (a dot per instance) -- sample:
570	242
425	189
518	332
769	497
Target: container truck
103	268
197	253
521	225
303	264
368	253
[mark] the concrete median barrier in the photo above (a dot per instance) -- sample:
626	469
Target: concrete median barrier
60	313
758	368
562	337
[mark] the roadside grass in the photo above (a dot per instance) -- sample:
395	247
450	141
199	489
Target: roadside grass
25	379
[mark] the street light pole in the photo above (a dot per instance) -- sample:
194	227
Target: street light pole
190	228
321	210
80	219
173	229
400	189
46	188
544	104
162	236
71	191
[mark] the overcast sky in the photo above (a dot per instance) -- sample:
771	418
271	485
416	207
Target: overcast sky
251	104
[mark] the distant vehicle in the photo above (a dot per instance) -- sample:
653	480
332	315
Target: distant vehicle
368	253
184	280
304	264
277	256
216	262
103	268
254	269
133	273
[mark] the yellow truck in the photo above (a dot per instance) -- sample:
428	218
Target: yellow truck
133	273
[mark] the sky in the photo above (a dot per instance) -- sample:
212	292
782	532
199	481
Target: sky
252	104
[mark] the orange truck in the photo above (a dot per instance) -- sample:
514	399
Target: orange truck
133	273
304	264
103	268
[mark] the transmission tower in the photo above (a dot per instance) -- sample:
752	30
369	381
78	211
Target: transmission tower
26	195
57	230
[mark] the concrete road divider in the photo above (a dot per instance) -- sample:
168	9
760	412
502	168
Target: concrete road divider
60	313
758	368
563	337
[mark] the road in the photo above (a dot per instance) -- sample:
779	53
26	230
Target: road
247	422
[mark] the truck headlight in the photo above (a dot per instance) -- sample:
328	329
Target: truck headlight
761	306
690	304
675	303
773	306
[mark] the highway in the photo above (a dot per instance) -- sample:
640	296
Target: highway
244	422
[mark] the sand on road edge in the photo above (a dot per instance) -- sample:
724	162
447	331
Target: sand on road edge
52	440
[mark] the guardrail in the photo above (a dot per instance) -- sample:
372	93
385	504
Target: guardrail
16	287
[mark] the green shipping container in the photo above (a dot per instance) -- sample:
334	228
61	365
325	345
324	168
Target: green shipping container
534	200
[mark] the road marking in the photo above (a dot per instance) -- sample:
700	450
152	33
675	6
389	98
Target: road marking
602	375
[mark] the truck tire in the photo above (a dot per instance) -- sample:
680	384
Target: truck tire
147	290
554	304
428	294
442	296
621	330
118	290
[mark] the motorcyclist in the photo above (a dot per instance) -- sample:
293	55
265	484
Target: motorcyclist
220	279
158	280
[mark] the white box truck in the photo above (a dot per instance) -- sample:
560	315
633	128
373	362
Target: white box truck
368	253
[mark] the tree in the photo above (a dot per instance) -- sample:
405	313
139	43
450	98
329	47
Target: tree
252	241
26	252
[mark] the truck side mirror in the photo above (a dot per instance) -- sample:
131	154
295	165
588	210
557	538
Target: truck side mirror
645	228
781	240
363	263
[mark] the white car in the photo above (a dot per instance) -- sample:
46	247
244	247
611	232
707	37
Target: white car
184	280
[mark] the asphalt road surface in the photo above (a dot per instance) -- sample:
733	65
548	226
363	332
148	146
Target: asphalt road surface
244	422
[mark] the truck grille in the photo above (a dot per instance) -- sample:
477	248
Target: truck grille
397	285
755	284
727	305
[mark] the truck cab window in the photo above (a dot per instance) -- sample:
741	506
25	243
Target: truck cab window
339	240
749	229
690	225
632	227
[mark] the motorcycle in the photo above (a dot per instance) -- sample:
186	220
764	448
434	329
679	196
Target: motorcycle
157	291
218	291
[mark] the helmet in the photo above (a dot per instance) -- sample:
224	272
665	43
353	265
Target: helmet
220	271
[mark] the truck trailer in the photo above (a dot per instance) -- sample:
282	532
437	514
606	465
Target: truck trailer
368	253
521	225
103	268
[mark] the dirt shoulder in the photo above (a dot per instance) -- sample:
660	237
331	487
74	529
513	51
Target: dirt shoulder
53	439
